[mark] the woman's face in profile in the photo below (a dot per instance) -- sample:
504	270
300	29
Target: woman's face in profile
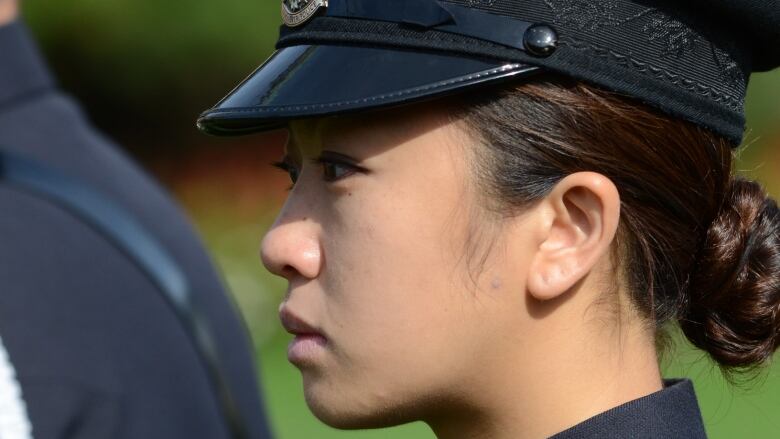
390	257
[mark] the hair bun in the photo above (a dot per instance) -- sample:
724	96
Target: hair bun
733	309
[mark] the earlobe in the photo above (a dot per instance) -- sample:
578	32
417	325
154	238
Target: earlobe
580	218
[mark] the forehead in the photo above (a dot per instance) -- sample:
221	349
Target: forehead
374	129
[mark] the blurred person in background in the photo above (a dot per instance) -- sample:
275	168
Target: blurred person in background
502	262
113	322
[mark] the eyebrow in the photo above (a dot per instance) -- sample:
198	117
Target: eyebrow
328	154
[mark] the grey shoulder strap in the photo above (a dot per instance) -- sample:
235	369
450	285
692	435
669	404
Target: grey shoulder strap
118	226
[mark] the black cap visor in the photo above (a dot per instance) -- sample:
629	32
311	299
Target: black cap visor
321	80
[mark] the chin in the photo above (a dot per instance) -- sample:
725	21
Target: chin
352	411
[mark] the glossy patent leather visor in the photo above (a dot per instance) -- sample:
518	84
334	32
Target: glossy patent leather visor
322	80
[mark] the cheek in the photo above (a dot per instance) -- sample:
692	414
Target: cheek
394	293
393	249
386	270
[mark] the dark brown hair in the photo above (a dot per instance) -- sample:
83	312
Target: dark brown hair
700	245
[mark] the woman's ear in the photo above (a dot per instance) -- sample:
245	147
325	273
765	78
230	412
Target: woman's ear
580	217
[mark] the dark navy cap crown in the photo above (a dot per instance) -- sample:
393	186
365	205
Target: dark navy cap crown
690	59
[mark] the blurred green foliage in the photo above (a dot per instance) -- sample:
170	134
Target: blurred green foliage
145	69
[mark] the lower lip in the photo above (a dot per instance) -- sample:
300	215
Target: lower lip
305	348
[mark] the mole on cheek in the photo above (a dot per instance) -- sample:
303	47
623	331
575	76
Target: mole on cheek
496	283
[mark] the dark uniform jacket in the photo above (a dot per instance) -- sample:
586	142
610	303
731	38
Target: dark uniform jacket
670	413
97	351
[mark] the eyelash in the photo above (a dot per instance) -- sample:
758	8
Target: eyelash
289	170
328	165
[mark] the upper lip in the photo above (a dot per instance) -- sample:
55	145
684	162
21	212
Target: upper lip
294	324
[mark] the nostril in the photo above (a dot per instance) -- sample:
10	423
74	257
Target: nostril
273	263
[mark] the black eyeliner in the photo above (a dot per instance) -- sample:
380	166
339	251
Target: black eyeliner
289	169
283	166
339	159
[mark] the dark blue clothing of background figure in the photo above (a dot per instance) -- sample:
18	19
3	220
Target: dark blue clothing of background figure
97	350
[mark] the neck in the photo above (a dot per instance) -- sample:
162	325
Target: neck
583	374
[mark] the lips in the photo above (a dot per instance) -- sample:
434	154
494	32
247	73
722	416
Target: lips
296	325
309	345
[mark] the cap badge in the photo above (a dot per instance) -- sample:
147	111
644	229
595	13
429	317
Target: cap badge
297	12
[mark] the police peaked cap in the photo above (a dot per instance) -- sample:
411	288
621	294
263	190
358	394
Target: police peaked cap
691	59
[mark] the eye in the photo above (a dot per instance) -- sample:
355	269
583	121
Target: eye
336	166
291	170
332	171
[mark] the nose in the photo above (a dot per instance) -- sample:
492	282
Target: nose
292	248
